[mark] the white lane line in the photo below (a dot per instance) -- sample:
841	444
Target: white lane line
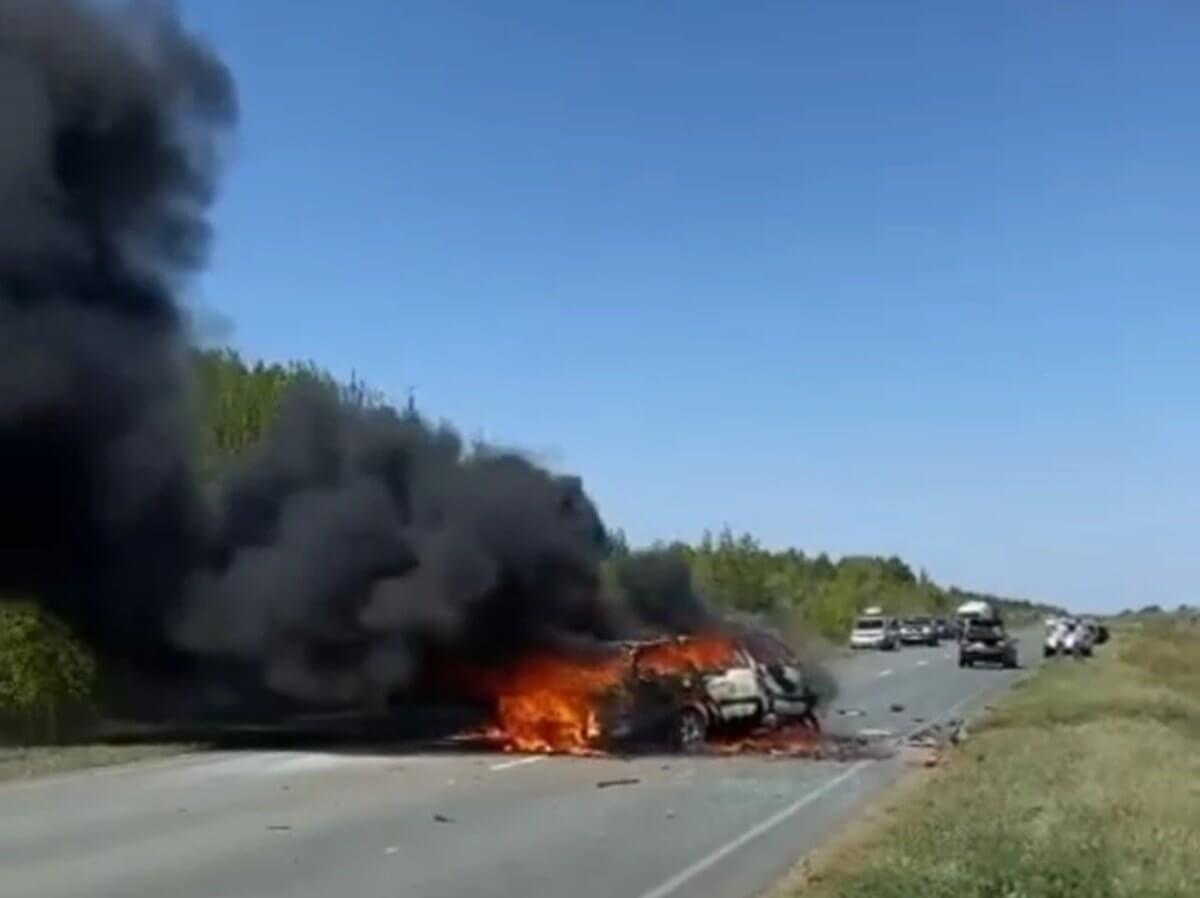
885	673
922	663
509	765
687	874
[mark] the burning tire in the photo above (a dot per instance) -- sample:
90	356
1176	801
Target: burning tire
691	730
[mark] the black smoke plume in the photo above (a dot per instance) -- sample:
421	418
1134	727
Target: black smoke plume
354	542
110	123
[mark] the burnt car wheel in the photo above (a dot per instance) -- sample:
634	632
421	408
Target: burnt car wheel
691	730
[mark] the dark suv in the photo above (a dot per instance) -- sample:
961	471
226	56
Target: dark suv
986	641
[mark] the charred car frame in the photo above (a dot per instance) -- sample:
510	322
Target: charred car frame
764	686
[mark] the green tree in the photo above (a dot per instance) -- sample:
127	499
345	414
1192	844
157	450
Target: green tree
43	670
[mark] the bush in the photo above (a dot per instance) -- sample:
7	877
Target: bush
47	678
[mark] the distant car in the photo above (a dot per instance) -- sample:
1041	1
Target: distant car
1080	639
986	641
945	628
918	631
874	631
1097	635
1055	641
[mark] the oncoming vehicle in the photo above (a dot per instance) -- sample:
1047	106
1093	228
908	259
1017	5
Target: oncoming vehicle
765	685
985	640
973	610
874	631
918	631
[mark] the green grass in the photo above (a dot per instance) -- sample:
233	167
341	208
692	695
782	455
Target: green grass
1085	783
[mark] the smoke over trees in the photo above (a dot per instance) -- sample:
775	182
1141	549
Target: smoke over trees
349	539
111	123
323	540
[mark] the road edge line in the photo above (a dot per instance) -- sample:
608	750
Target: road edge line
763	826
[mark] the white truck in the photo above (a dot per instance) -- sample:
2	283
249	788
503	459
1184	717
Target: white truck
976	609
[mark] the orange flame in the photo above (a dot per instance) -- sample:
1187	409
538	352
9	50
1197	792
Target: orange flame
552	703
676	656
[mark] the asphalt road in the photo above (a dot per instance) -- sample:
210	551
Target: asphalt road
314	825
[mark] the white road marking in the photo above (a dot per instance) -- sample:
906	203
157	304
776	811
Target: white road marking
922	663
509	765
687	874
886	673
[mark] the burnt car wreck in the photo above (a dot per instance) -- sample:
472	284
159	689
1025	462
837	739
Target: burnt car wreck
696	696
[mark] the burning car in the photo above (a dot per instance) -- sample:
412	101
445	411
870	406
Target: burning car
675	692
757	683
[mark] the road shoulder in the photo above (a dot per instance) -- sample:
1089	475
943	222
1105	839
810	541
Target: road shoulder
1083	780
34	763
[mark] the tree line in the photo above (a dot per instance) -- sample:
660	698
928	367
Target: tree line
45	672
814	594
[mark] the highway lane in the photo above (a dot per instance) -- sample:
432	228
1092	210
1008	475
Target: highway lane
319	824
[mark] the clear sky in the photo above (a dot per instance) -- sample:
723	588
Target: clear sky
853	276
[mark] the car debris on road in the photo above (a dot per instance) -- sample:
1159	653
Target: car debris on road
622	781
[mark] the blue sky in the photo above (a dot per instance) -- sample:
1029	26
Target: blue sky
853	276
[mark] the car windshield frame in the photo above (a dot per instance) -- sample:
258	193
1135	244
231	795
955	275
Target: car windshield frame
869	623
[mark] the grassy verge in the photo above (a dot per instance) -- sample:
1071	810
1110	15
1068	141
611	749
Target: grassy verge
1085	783
27	763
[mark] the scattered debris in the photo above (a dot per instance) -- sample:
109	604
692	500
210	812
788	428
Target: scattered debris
623	781
391	849
670	815
442	818
279	827
897	708
918	720
851	712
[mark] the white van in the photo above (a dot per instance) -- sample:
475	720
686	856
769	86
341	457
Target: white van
874	631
